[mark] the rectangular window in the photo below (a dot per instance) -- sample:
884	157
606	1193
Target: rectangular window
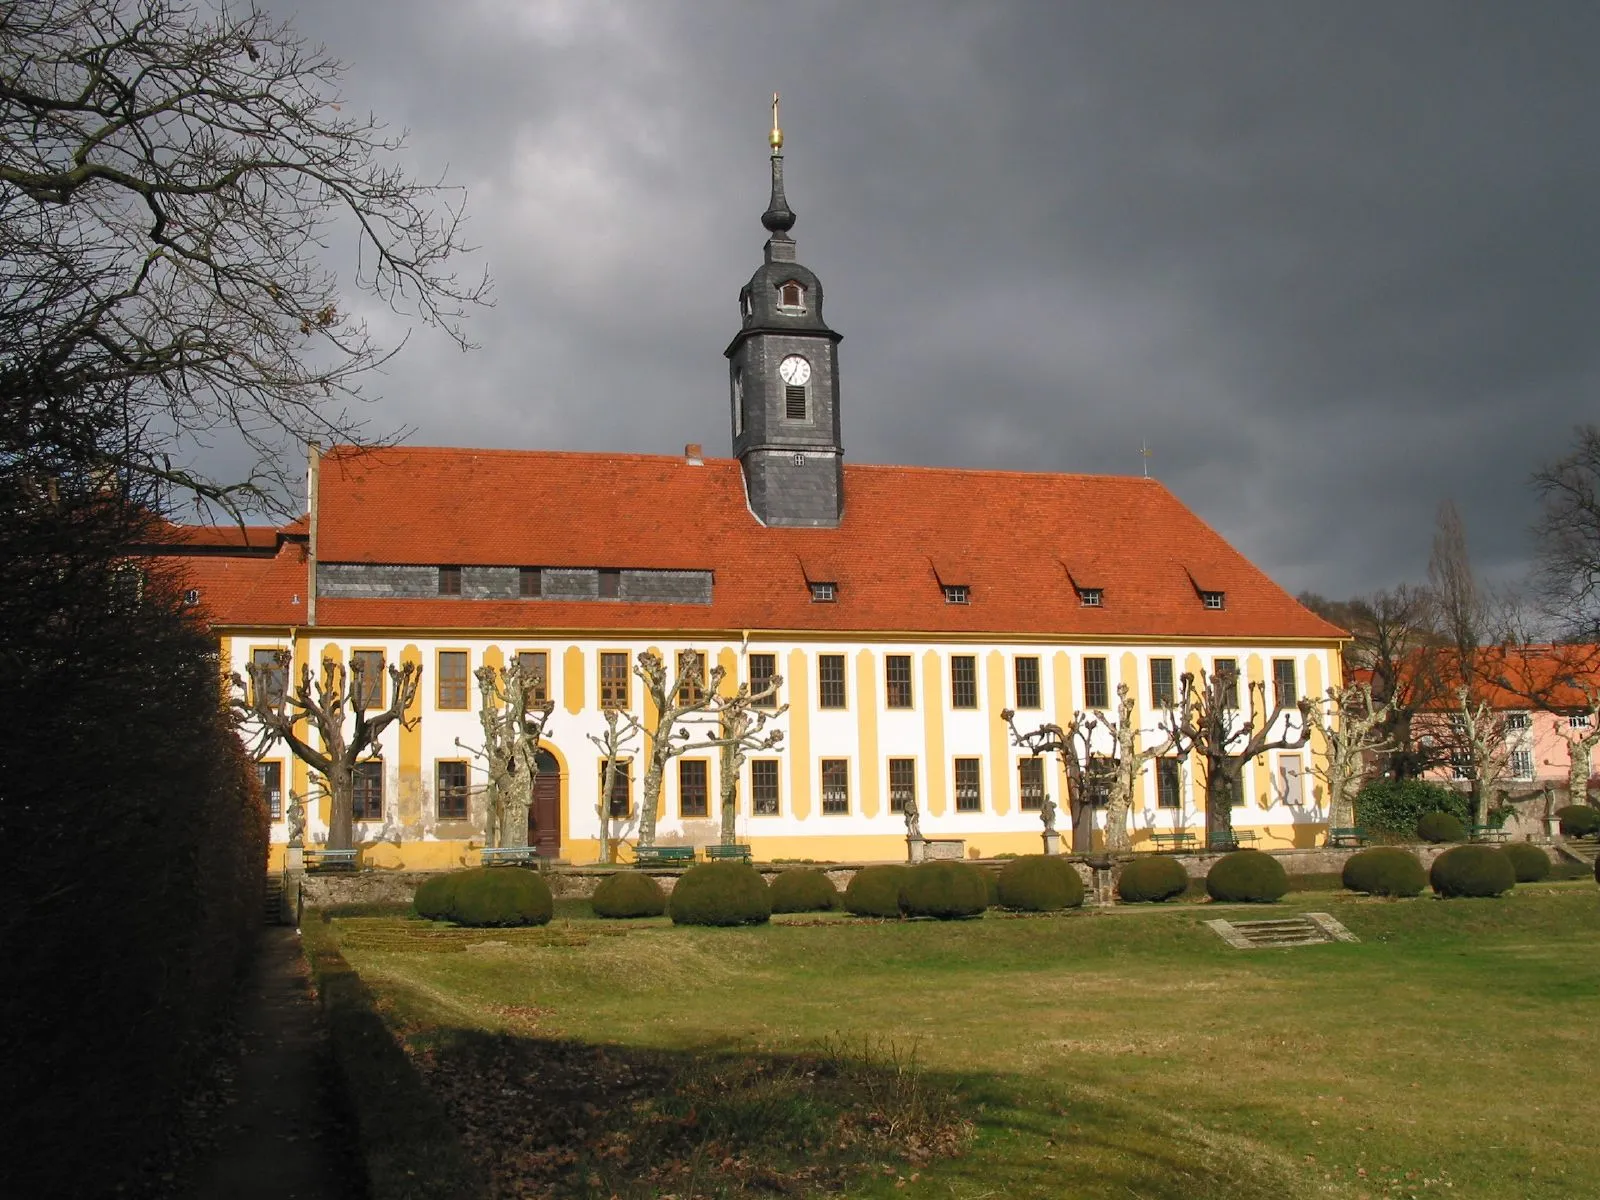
1461	764
1578	721
1027	676
830	681
452	686
1214	600
969	792
621	788
691	677
1291	781
1285	692
367	799
824	593
530	582
963	681
1519	720
693	794
1522	764
1030	782
1090	597
368	693
1169	783
450	790
270	776
1226	673
613	679
1162	693
897	680
957	593
764	787
902	783
272	675
1096	693
610	585
449	581
835	787
535	668
763	667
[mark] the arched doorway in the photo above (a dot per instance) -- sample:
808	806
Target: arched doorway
544	814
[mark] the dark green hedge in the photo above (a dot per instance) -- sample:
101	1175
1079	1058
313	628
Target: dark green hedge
946	890
1439	827
1529	863
1472	871
1384	871
1247	876
494	896
804	891
1393	806
1040	883
991	885
1152	878
1579	820
720	893
434	897
875	891
628	894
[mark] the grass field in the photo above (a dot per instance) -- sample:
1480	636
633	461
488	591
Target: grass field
1127	1053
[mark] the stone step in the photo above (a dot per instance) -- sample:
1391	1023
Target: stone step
1313	929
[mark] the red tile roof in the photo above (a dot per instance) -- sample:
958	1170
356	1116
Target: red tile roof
248	589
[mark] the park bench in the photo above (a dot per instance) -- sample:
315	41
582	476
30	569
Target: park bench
653	856
331	860
1347	835
1486	833
1171	843
1231	841
734	853
494	856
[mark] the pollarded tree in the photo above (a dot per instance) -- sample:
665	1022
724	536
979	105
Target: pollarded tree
674	696
1581	739
1207	722
1072	743
1477	735
741	730
325	703
613	744
1127	764
1353	727
512	730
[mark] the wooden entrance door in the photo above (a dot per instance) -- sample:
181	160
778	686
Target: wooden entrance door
544	816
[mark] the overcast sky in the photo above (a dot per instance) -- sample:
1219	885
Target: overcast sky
1333	262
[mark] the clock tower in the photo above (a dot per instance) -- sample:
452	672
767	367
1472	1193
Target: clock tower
783	379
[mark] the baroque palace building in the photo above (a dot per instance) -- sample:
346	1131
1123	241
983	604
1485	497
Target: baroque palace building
904	608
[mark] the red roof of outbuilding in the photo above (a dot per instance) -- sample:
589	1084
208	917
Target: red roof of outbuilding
248	589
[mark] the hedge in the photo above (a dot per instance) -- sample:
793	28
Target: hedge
1529	863
720	893
1579	820
804	891
1040	883
875	891
1384	871
1153	878
945	890
434	897
1473	871
628	894
1439	827
1247	876
494	896
1393	806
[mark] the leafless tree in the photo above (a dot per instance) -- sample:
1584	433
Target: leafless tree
1073	744
512	731
171	178
325	703
614	744
1568	533
1127	764
1207	721
1352	726
741	729
1478	733
674	696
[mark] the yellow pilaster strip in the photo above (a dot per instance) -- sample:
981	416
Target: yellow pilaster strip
572	677
728	660
1129	676
409	796
999	758
933	701
799	739
867	718
1259	775
300	774
494	657
1061	674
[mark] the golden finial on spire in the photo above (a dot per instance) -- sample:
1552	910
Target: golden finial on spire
775	138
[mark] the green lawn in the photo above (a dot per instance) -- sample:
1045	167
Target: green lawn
1117	1054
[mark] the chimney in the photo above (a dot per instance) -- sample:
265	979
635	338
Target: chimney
313	486
694	455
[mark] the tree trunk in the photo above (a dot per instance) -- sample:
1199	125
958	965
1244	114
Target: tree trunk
729	782
1341	806
652	793
1224	784
341	792
1082	814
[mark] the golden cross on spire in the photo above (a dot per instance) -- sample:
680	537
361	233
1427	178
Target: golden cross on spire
775	138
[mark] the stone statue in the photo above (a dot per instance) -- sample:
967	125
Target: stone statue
913	818
297	819
1047	814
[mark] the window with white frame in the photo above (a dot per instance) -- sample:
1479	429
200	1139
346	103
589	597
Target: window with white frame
1519	720
1522	764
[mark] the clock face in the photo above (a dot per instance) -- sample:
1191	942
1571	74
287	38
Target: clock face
794	370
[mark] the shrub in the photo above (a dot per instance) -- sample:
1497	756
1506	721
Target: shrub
1579	820
945	890
628	894
991	885
875	891
1040	883
1393	806
720	893
1440	827
1155	877
804	891
1472	870
1384	871
435	896
500	896
1248	876
1528	863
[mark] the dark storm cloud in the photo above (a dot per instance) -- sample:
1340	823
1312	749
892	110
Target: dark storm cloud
1332	262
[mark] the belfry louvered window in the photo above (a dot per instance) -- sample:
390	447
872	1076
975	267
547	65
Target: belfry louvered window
794	402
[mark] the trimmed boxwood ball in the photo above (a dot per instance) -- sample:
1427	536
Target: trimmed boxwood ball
628	894
435	896
804	891
720	893
1384	871
946	890
501	896
1247	877
1040	883
1154	878
1440	827
875	891
1578	820
1472	870
1529	863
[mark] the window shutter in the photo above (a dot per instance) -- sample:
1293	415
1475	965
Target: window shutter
794	402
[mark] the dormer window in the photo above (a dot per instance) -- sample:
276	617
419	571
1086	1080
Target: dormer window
824	593
1214	600
791	297
1090	597
957	593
